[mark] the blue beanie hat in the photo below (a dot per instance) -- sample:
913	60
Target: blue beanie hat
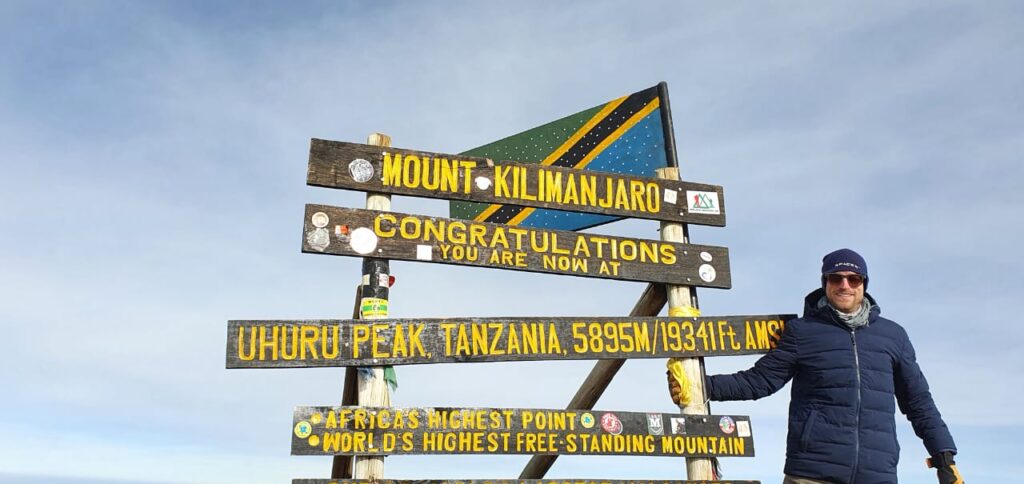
844	260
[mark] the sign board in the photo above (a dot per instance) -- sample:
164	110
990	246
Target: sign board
561	480
335	164
427	430
397	236
318	343
629	135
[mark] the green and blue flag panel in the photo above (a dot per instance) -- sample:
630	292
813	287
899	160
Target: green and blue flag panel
629	135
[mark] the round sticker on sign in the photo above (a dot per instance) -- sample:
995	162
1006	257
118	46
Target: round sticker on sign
303	429
361	170
705	256
363	240
611	424
483	182
319	220
706	272
727	424
587	420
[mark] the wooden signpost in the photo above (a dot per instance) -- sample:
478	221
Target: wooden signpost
425	430
336	164
317	343
547	187
397	236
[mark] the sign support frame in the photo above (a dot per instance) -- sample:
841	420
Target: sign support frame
650	303
341	467
372	389
683	299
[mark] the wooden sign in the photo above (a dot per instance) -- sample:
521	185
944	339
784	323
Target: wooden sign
511	481
318	343
425	430
353	166
397	236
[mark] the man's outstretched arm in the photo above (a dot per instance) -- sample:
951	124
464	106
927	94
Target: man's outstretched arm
766	377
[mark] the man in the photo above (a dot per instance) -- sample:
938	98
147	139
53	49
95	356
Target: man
847	363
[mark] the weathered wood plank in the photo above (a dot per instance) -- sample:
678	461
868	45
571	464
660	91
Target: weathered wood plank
353	166
317	343
435	430
397	236
510	481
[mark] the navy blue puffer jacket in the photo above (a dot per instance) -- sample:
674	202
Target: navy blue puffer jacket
841	413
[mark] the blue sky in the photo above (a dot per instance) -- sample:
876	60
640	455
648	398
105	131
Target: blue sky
153	183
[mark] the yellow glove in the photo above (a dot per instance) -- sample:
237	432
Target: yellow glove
946	468
678	383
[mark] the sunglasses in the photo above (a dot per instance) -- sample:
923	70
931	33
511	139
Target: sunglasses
855	280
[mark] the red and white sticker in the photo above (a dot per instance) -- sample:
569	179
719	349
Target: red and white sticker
702	202
727	424
611	424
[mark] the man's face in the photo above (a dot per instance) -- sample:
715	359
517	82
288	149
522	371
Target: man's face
843	297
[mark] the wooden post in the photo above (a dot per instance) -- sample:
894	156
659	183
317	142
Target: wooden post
682	302
650	304
342	466
372	389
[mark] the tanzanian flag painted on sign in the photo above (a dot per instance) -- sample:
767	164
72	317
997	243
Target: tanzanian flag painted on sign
630	135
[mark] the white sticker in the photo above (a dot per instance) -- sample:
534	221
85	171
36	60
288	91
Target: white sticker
706	272
424	252
361	170
671	196
702	202
363	240
383	280
678	425
483	183
318	239
743	428
705	256
320	220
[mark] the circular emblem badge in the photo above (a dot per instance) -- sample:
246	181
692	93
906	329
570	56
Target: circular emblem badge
361	170
706	272
320	220
587	420
363	240
303	429
705	256
726	424
611	424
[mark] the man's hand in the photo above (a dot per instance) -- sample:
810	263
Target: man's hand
678	383
946	468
